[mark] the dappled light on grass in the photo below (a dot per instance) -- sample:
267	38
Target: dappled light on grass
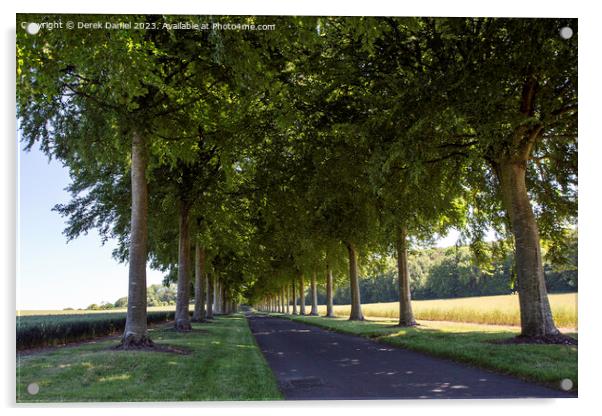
96	373
120	377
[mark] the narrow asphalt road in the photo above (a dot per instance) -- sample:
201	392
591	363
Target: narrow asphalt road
311	363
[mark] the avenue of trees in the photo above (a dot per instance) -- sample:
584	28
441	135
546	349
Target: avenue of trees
255	166
435	273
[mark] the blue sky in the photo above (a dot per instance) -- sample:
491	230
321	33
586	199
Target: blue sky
54	274
51	273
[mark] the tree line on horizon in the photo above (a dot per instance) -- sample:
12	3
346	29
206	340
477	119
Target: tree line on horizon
247	164
435	273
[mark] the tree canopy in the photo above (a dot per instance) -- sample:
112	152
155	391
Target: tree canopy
326	145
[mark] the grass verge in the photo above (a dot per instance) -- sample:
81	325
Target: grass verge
466	343
224	364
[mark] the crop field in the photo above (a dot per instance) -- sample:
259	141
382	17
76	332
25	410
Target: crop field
491	310
31	312
47	330
47	327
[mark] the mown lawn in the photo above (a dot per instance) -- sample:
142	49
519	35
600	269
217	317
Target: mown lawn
467	343
491	310
224	364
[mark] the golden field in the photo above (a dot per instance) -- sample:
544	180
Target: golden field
491	310
31	312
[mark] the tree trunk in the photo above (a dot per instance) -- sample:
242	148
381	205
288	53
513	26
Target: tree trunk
135	333
535	312
209	297
406	316
301	295
286	290
294	297
220	297
199	284
226	302
217	301
183	296
329	295
356	305
314	295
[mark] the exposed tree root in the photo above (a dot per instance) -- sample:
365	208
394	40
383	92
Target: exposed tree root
134	343
407	324
201	321
183	325
152	347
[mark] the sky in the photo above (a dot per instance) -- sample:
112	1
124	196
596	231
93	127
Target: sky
54	274
51	273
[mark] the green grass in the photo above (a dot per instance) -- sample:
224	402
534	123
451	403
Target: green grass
492	310
225	364
467	343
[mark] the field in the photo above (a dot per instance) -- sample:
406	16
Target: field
47	330
467	343
491	310
224	364
31	312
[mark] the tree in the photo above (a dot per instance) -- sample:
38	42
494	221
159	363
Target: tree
521	77
71	105
200	284
121	302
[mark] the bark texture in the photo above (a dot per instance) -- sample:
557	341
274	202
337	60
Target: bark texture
217	297
222	301
136	333
329	293
294	287
356	304
535	312
406	316
183	292
301	295
200	313
209	297
314	294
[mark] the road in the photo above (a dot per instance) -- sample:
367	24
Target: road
311	363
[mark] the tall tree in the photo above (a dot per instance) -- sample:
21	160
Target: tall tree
200	284
521	77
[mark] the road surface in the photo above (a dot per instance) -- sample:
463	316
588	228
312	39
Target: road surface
311	363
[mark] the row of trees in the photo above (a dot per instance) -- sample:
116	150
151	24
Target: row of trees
445	273
156	295
259	161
